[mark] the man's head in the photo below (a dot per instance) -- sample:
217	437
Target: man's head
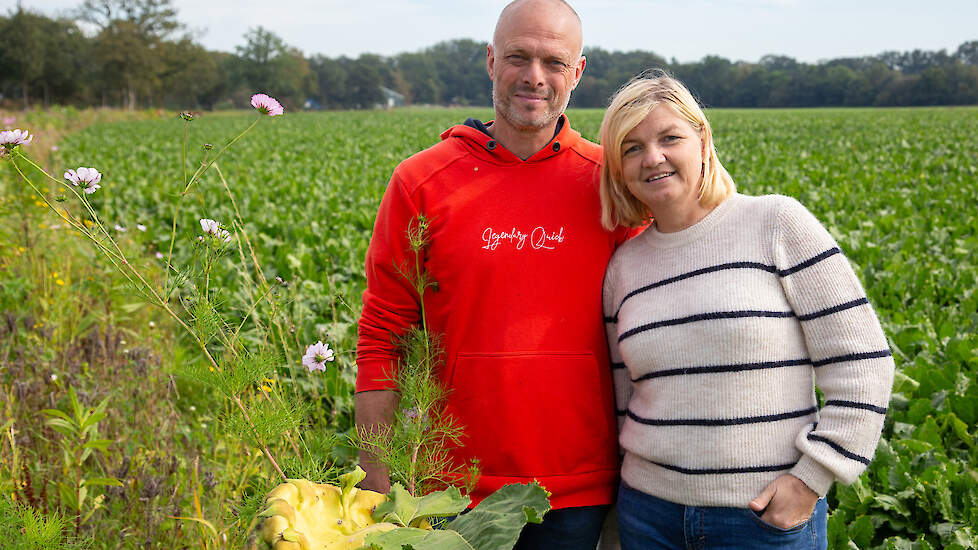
534	61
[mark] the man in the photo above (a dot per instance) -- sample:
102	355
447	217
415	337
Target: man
519	256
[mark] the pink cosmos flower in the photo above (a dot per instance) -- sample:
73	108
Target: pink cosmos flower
12	138
7	121
86	178
212	227
316	356
209	226
266	105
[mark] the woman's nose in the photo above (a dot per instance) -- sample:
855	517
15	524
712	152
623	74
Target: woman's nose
653	156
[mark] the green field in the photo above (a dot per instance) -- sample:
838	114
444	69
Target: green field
898	188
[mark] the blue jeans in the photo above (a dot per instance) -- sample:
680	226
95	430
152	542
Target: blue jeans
646	523
575	528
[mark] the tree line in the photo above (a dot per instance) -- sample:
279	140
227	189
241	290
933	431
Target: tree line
136	54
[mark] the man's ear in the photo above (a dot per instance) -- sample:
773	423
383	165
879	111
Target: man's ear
579	71
490	60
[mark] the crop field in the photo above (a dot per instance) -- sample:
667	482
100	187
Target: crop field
898	188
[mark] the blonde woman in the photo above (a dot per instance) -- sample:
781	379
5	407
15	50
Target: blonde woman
721	318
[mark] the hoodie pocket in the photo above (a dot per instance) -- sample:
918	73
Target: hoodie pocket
533	414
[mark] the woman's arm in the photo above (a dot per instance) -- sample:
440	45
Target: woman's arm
846	344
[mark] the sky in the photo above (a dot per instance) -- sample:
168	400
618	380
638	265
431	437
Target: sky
739	30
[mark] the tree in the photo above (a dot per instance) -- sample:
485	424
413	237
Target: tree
266	63
331	81
189	75
968	53
22	49
155	18
419	74
127	61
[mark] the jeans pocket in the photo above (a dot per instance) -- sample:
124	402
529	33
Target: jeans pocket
779	530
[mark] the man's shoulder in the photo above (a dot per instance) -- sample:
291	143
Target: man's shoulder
427	163
589	151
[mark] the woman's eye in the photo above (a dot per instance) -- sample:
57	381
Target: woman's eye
629	150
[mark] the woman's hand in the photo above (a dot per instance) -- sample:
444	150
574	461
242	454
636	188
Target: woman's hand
785	502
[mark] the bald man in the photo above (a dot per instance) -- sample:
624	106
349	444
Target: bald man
519	255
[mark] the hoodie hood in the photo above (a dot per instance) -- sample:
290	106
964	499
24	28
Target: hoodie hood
485	147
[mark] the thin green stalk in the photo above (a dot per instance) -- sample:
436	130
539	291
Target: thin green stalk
206	166
254	305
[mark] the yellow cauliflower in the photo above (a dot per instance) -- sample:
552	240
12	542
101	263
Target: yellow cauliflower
301	515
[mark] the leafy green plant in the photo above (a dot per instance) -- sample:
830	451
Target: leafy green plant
24	528
79	430
415	446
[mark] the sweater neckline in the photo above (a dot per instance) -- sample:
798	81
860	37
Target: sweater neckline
658	239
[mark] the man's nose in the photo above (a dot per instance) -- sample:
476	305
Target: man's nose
533	74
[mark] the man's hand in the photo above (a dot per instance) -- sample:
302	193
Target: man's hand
785	502
375	408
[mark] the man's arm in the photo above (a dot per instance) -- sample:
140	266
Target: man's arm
374	409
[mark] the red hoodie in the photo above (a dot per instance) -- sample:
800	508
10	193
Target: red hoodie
518	253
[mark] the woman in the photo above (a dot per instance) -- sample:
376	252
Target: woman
721	316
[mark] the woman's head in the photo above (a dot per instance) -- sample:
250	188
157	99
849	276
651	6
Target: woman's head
629	108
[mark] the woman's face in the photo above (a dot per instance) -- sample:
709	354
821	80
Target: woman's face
662	163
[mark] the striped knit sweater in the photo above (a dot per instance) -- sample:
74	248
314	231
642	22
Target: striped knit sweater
718	335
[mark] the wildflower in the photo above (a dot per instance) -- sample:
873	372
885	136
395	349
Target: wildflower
159	255
208	146
212	227
141	227
266	105
119	228
54	377
60	198
59	282
86	178
7	121
54	148
152	324
12	138
316	356
187	115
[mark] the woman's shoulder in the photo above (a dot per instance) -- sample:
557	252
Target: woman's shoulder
772	207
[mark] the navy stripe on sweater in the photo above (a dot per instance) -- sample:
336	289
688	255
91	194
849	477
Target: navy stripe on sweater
833	309
810	262
839	449
704	317
694	273
741	367
741	470
723	267
855	405
720	421
852	357
725	368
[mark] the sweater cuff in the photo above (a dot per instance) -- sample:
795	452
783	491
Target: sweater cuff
817	477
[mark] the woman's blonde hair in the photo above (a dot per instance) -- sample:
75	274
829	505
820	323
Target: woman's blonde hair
629	107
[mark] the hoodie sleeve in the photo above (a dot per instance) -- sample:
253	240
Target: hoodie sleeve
390	302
